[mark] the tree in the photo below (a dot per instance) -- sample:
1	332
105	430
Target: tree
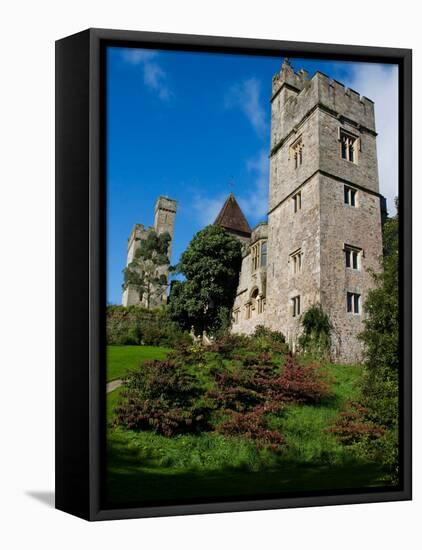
211	266
381	339
145	272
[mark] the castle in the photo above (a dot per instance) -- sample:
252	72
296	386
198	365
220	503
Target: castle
164	218
323	234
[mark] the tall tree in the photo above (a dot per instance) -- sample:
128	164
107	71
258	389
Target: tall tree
145	272
381	338
211	266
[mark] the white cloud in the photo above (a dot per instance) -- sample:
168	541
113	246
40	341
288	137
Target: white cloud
154	75
246	97
253	203
206	209
380	84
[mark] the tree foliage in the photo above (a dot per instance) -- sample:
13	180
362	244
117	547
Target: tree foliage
381	339
211	266
144	273
316	336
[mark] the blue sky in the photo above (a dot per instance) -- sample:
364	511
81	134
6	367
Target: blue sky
196	126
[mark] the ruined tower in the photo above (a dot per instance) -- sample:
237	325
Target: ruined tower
324	215
164	219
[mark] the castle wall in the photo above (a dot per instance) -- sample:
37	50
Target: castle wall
359	227
164	218
290	231
316	113
249	309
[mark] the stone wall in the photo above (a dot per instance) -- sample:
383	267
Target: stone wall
164	219
314	112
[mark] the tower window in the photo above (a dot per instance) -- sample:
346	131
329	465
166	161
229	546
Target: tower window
353	303
348	145
264	254
296	306
297	201
259	255
296	152
350	196
296	259
352	256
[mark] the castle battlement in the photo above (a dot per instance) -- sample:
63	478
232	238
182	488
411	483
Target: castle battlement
295	96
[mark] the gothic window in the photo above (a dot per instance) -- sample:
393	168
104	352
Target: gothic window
348	145
353	303
259	255
296	260
236	316
255	256
297	201
296	306
352	256
248	310
264	254
296	152
350	196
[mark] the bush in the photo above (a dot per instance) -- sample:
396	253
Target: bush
252	426
135	325
352	425
163	397
315	338
301	383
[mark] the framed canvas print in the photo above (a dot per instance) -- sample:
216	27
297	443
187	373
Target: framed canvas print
233	274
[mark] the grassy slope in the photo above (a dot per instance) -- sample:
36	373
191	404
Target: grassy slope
120	359
145	467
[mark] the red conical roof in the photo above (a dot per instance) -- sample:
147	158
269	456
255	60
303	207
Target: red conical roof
232	218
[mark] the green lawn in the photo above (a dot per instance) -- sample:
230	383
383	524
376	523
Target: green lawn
144	467
120	359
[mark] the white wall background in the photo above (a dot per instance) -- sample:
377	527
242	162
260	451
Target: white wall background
28	32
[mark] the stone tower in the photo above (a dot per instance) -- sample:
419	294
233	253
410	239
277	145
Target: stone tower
324	215
164	219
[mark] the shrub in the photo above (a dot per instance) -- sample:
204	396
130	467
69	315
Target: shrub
315	338
266	340
352	425
252	426
163	397
135	325
300	383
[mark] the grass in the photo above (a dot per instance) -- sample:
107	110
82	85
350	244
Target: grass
121	359
144	467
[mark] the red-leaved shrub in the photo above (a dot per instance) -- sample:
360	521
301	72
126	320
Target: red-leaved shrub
163	397
352	426
252	426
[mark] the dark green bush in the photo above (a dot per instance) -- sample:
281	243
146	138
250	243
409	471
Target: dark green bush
135	325
163	397
316	336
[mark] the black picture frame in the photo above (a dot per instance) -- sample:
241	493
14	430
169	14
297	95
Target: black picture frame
80	265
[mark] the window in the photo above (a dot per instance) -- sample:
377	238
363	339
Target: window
353	303
297	201
255	255
248	311
259	255
296	152
236	316
296	306
264	254
296	259
348	144
352	256
350	196
261	305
